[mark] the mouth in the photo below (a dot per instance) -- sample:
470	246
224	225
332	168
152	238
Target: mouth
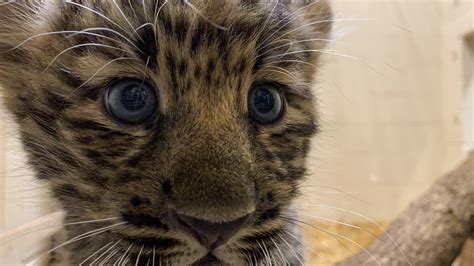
208	260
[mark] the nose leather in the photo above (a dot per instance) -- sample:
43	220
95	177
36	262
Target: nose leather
212	235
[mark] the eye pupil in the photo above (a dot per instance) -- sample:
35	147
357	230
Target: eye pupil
131	101
264	100
134	98
265	104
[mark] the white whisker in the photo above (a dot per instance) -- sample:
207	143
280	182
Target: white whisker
291	44
95	253
289	15
370	220
318	22
187	2
95	12
157	12
123	14
81	237
297	256
110	256
122	258
139	254
339	236
92	221
83	45
315	51
114	32
294	61
103	67
281	71
105	252
283	259
340	223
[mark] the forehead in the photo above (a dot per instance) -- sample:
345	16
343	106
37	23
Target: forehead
207	44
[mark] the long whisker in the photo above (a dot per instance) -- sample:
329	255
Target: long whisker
269	17
297	256
337	236
133	9
122	258
290	44
144	10
139	254
281	71
83	45
316	51
157	12
95	253
370	220
188	2
283	19
294	61
337	190
297	239
267	256
95	12
340	223
103	67
81	237
123	14
105	252
283	258
319	22
91	221
36	36
110	256
114	32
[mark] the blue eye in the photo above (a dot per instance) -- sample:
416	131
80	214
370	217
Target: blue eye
131	101
265	104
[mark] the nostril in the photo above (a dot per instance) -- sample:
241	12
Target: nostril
212	234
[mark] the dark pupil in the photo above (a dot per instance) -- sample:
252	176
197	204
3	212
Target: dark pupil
264	101
134	98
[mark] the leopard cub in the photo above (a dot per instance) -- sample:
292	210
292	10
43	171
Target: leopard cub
170	132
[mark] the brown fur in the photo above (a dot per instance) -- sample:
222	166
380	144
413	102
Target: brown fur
201	154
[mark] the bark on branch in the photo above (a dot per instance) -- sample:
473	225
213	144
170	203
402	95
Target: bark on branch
433	229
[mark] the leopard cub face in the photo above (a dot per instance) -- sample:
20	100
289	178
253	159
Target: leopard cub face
176	130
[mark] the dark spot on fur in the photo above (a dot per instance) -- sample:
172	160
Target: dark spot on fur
128	177
85	140
268	215
144	220
151	242
56	102
196	41
147	45
166	186
270	197
181	28
136	201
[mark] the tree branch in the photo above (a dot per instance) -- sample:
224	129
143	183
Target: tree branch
433	229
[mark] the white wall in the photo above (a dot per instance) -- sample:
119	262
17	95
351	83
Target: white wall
392	119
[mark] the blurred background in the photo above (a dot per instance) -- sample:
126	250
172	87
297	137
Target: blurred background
397	112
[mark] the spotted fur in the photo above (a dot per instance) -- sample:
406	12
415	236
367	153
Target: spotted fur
201	154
